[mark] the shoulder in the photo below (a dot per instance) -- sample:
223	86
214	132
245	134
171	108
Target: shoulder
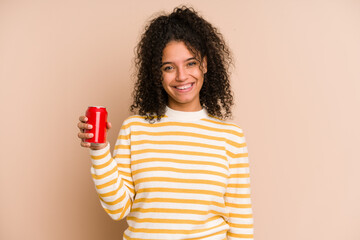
233	134
139	120
132	120
226	125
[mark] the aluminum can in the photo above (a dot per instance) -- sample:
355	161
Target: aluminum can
97	117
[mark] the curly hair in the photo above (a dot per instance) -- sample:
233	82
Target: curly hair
183	24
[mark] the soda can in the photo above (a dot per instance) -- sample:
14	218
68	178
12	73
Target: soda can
97	117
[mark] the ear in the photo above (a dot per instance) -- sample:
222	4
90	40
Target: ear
204	64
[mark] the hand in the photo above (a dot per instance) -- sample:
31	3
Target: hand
83	136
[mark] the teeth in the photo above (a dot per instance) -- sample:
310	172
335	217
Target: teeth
184	87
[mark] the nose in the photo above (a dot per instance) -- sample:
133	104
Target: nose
181	74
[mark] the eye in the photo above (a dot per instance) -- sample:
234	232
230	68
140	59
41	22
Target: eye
167	68
192	63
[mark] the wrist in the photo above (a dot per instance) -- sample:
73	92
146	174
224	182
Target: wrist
98	146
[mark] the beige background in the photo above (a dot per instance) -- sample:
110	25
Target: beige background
297	92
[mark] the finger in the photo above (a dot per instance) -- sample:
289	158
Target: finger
82	126
83	119
85	144
85	135
108	125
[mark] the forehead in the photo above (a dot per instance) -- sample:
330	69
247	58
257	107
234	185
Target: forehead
176	51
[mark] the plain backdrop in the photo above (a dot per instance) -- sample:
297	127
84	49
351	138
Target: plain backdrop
296	82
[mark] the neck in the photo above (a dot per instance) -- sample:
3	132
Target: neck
185	115
185	107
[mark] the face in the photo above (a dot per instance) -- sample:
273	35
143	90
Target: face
183	76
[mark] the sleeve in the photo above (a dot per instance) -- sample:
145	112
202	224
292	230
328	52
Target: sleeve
237	196
112	176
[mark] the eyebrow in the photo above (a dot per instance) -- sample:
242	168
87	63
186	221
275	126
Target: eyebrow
192	58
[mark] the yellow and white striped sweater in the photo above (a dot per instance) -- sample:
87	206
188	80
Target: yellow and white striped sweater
185	177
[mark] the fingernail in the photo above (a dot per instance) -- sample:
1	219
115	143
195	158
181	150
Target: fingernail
89	126
91	135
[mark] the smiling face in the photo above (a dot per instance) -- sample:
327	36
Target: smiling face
183	76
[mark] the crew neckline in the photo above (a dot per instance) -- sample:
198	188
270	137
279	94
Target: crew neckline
185	116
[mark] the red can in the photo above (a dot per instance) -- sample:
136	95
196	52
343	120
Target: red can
97	117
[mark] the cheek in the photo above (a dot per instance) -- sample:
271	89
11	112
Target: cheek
165	85
200	78
166	80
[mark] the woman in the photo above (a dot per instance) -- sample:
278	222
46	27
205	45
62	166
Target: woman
178	171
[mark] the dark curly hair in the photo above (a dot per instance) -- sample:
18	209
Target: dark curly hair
183	24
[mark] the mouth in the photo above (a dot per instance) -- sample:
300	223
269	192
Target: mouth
184	88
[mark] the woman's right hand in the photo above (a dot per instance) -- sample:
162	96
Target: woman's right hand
82	125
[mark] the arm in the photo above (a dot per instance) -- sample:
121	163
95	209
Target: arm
112	176
237	196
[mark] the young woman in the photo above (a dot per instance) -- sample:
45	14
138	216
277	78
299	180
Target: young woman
178	171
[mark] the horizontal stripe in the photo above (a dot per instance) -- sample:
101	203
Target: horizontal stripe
100	156
236	225
233	195
238	155
132	238
180	152
179	180
180	143
230	234
175	200
108	184
113	182
185	143
178	133
97	177
240	175
116	201
171	169
211	235
237	215
171	221
181	190
239	165
121	210
187	134
117	211
112	193
236	144
237	205
177	211
173	231
127	156
143	117
184	124
104	165
221	123
124	137
234	185
123	165
127	147
172	160
207	236
125	174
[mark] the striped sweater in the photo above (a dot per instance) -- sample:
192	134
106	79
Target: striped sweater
185	177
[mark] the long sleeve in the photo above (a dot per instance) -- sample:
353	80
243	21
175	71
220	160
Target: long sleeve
237	197
112	176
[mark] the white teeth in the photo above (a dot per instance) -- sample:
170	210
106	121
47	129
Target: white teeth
184	87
